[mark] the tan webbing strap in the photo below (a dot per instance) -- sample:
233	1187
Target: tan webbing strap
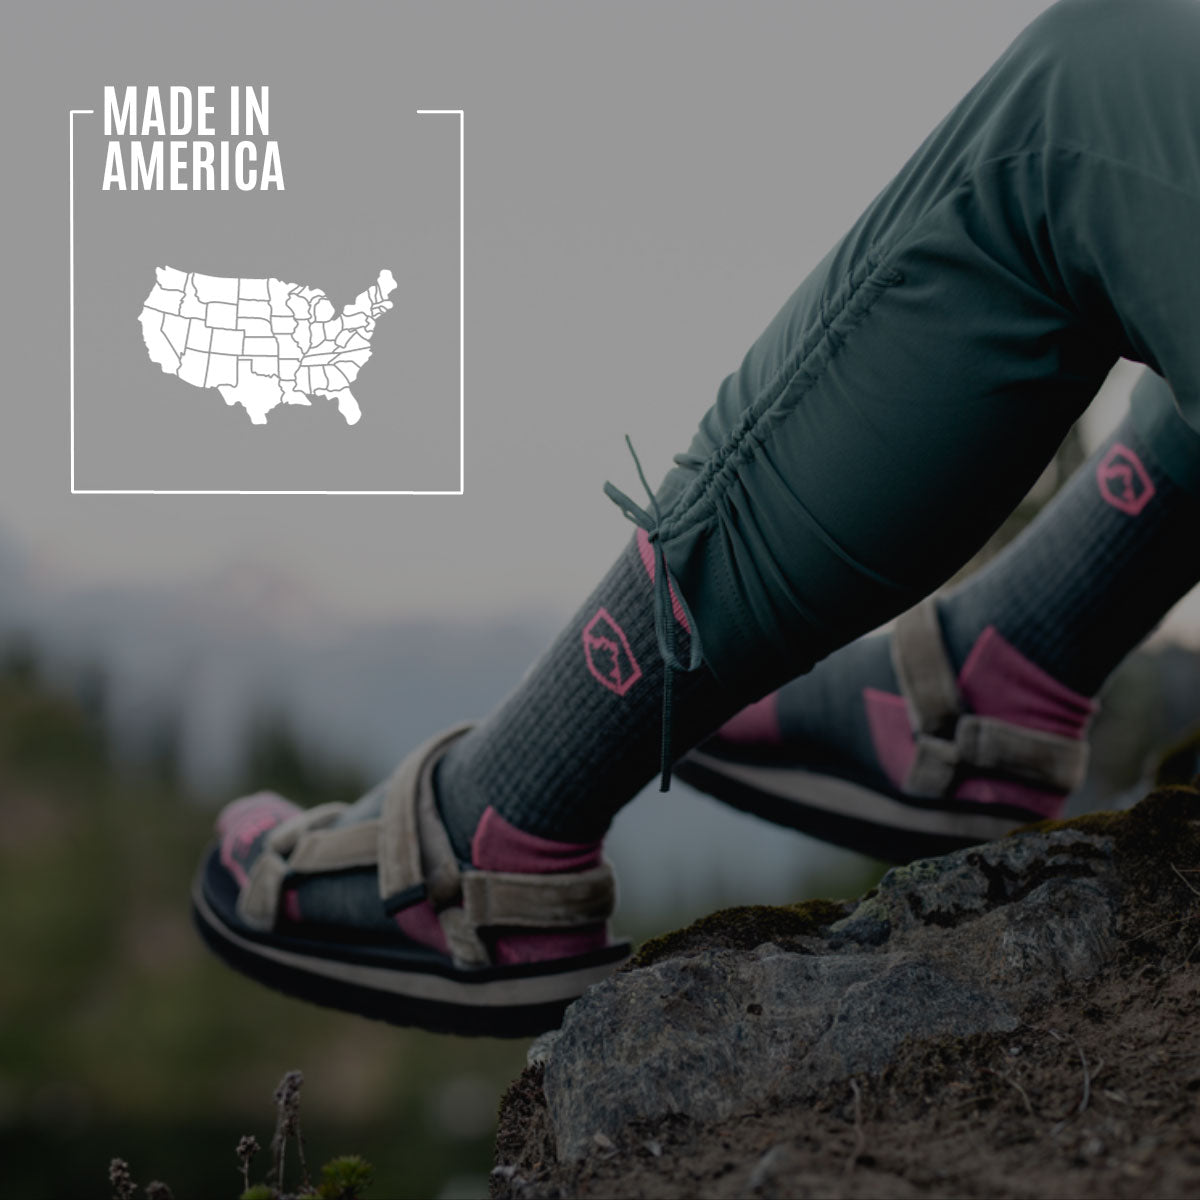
336	849
283	838
462	937
439	863
443	878
539	901
934	768
414	849
925	672
400	867
1047	759
258	901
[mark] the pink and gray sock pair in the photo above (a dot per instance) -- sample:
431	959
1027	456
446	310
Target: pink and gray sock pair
1030	638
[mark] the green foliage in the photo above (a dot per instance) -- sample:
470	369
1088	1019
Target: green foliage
345	1178
342	1178
743	928
19	662
119	1029
277	760
47	738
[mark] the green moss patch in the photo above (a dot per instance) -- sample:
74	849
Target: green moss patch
743	928
1156	844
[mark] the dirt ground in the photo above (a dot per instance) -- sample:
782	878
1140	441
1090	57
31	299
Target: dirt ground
1097	1094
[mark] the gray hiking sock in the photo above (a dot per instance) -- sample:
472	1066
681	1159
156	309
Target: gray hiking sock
580	735
1092	575
1074	593
821	715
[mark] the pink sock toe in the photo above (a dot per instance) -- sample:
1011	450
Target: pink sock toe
259	804
242	822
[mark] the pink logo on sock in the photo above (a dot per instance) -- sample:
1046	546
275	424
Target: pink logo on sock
1124	482
608	655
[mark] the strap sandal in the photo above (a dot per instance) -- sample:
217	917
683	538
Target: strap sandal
844	803
244	904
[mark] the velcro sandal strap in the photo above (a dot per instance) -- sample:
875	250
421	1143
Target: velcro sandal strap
416	859
924	671
283	838
995	747
1032	755
462	938
336	849
559	901
949	740
439	863
934	768
401	873
258	901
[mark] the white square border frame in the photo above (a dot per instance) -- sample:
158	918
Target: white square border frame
78	491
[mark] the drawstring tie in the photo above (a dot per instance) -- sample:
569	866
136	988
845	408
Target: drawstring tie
664	623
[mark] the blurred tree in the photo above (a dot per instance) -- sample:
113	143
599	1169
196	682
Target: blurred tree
19	660
275	759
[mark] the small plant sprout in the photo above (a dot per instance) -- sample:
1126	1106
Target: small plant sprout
247	1148
121	1180
287	1125
343	1178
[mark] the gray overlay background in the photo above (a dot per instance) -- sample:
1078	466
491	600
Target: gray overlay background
645	184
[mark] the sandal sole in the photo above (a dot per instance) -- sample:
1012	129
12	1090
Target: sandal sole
401	984
844	812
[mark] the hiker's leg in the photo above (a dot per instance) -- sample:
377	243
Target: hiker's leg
1069	239
1103	562
903	400
1030	638
899	406
915	385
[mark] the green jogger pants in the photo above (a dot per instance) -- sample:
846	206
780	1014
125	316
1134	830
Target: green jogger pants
915	385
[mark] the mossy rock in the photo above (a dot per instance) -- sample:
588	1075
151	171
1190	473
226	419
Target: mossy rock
743	928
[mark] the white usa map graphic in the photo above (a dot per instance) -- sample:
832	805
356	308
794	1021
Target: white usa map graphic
261	342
